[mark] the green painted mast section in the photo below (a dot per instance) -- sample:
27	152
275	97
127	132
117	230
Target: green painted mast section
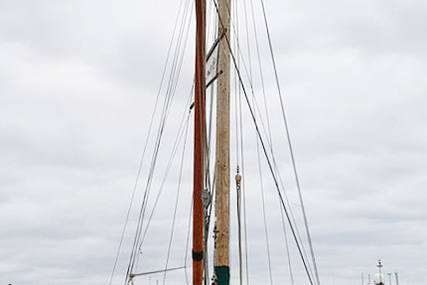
222	183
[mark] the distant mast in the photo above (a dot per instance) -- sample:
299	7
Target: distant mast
379	271
380	282
222	171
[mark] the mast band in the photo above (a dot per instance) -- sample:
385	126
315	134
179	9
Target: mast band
222	274
198	256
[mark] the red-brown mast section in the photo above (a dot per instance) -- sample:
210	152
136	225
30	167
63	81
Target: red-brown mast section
199	142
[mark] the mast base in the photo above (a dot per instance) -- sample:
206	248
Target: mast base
222	274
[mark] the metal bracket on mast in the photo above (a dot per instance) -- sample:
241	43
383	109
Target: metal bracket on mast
206	198
212	60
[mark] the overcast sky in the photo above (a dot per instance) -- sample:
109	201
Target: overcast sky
77	85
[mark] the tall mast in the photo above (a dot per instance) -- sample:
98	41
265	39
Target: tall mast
222	197
199	142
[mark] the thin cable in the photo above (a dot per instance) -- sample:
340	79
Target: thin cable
276	184
166	106
261	74
270	165
187	245
180	135
239	223
264	215
158	271
144	151
287	246
263	207
270	139
237	91
240	114
290	145
177	196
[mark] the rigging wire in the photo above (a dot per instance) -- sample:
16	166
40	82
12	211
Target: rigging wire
238	177
267	151
270	165
264	215
243	194
187	244
180	135
269	162
210	188
251	80
263	207
175	70
177	195
144	150
270	139
257	145
274	165
240	79
240	196
241	135
290	144
291	275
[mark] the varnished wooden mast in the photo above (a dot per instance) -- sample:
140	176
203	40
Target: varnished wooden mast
222	196
199	142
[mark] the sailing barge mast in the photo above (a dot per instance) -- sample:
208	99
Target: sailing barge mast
219	71
222	163
199	143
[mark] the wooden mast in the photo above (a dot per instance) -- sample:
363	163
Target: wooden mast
222	197
199	143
